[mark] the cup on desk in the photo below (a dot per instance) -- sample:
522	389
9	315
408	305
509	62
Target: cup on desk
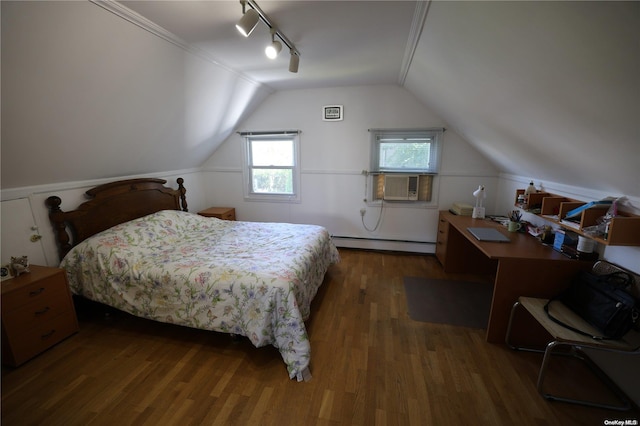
513	226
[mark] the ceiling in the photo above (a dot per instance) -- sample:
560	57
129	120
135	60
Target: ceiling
543	89
340	42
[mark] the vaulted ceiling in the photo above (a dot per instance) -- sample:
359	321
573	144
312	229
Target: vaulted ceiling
548	90
340	42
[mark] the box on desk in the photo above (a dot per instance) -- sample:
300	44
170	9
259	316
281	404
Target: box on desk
566	242
462	209
564	238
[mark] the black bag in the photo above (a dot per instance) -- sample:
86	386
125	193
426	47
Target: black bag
603	301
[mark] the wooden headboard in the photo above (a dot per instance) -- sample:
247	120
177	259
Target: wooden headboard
111	204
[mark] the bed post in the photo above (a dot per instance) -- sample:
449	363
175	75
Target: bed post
59	226
183	197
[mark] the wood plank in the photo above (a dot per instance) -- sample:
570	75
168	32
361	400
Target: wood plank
371	364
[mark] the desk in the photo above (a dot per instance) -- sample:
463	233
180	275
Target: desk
522	267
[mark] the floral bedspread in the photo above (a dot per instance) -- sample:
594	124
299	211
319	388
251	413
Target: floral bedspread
247	278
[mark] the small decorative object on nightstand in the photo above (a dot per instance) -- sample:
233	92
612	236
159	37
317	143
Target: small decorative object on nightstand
225	213
37	313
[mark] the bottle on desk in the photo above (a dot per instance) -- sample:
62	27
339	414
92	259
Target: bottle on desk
531	189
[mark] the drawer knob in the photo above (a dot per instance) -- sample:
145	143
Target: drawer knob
42	311
48	334
36	292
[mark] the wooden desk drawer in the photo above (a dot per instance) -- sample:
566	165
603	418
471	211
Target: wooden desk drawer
38	339
441	240
443	230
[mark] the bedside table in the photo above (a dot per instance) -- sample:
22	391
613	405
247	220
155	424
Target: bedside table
225	213
37	313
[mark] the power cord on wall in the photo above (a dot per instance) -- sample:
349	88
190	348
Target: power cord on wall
364	211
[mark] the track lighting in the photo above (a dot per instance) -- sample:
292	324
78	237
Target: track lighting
249	21
274	48
294	61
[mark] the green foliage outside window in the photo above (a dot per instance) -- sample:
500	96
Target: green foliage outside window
404	155
272	181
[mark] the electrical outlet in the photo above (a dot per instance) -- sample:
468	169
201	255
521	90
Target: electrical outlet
362	212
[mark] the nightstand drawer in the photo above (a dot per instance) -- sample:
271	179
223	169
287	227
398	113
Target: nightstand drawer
225	213
39	290
38	339
228	216
36	312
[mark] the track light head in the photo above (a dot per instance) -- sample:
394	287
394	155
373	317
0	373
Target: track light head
294	61
275	47
248	22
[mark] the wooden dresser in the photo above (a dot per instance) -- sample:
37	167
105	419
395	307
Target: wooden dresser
225	213
37	313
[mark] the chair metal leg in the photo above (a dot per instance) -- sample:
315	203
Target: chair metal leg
576	352
507	338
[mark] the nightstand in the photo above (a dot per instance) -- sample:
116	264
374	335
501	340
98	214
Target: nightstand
226	213
37	313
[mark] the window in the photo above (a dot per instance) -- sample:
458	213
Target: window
411	152
272	171
407	151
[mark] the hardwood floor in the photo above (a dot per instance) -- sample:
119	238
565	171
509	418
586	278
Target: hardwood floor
371	365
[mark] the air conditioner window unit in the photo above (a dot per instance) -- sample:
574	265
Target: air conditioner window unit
401	187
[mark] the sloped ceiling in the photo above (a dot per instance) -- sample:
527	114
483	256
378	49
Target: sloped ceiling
547	90
341	42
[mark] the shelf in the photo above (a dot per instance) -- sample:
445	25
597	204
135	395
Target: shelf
624	229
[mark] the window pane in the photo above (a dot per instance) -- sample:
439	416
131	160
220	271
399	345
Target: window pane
272	181
272	153
404	155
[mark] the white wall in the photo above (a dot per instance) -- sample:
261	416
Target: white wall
333	155
24	208
89	95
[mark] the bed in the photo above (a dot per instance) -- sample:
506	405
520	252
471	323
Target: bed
134	246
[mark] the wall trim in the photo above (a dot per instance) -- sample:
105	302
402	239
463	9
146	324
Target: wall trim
27	191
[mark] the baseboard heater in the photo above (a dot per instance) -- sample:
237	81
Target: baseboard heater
384	244
386	240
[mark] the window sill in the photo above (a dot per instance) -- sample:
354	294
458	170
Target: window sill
293	199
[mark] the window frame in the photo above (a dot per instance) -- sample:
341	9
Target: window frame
376	173
378	136
249	193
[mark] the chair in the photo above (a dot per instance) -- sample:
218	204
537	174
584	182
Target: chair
563	338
